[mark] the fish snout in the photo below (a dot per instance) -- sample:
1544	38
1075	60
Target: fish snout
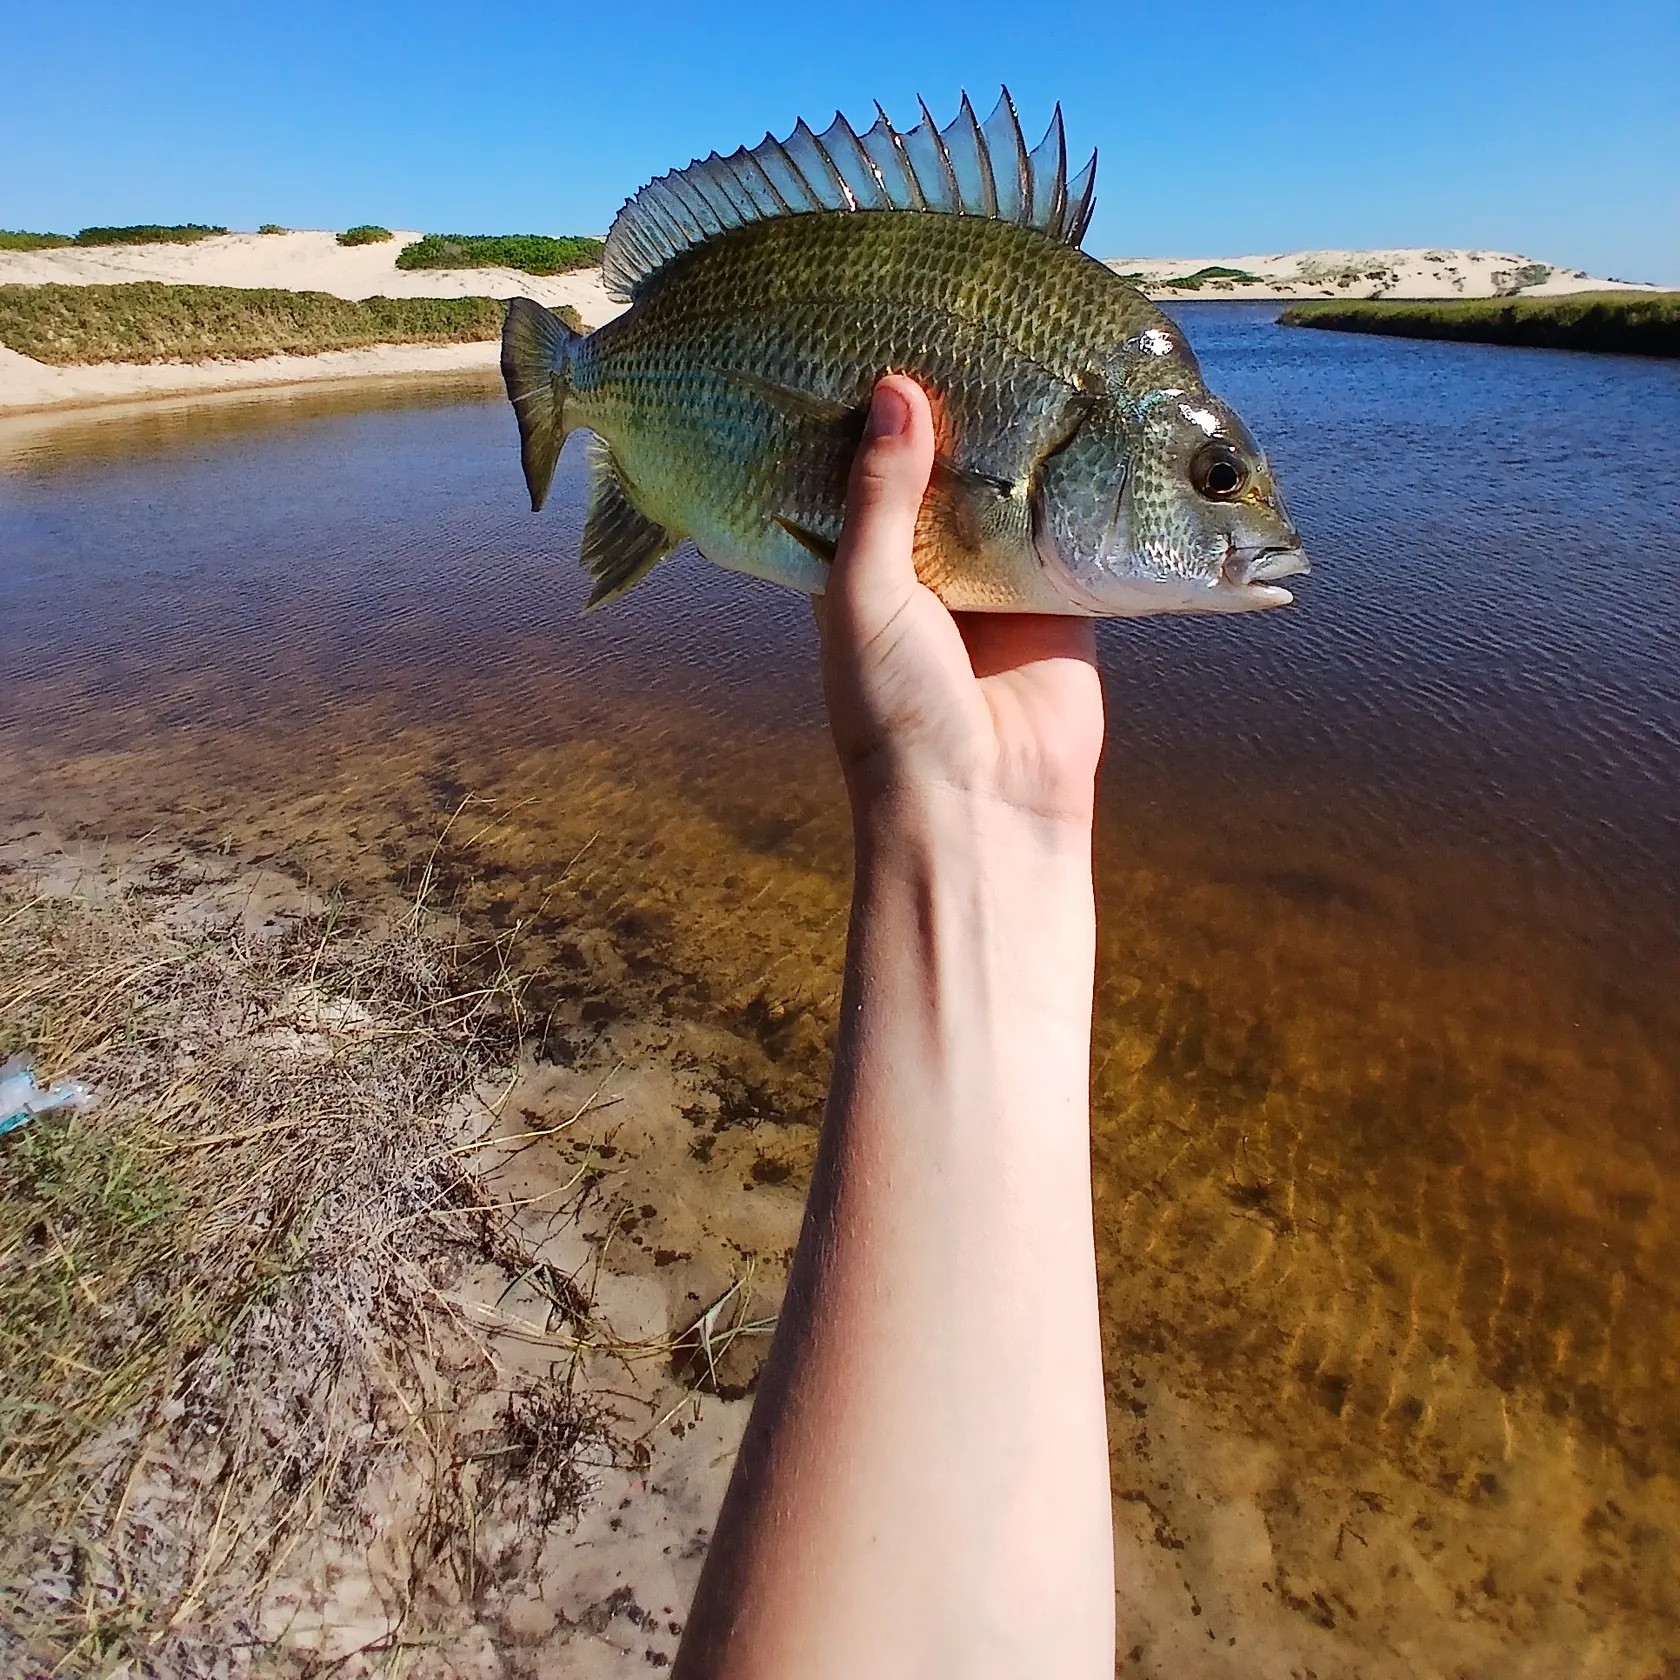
1263	564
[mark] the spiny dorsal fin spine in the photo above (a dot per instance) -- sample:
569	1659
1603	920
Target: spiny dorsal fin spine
896	141
1058	198
1080	218
808	143
942	152
864	177
782	207
968	169
982	153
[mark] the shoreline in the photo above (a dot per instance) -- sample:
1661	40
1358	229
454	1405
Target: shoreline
314	261
1603	323
31	387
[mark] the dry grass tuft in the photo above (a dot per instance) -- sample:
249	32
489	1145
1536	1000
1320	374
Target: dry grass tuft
223	1307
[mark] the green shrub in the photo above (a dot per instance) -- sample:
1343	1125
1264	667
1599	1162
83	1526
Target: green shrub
530	253
147	233
32	241
1631	323
147	321
1195	282
367	233
272	227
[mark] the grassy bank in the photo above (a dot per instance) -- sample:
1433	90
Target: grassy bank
148	321
1629	323
242	1264
531	253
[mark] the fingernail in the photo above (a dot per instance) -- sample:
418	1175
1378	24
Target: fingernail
889	413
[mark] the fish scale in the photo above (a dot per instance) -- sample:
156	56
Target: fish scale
1083	467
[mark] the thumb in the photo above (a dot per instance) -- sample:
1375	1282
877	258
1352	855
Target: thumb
874	572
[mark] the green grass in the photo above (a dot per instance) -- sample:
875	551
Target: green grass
148	233
1628	323
365	233
531	253
147	321
10	241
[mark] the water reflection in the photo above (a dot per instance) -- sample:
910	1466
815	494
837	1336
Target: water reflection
1387	1138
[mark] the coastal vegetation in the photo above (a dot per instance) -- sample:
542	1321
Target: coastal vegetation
365	233
148	321
1204	276
1212	275
147	233
531	253
185	233
271	227
1629	323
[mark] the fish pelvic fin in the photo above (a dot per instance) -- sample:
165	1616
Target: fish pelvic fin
621	545
813	542
536	367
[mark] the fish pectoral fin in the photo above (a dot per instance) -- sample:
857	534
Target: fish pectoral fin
976	510
621	545
797	404
967	481
812	541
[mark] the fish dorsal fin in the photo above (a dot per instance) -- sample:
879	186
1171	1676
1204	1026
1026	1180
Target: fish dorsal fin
967	169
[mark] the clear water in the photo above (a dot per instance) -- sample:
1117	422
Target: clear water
1387	1109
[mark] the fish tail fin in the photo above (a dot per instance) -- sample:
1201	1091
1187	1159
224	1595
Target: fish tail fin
536	365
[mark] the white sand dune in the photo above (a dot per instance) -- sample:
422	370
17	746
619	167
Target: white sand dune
1418	273
301	262
317	262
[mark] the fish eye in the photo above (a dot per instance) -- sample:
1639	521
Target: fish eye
1219	472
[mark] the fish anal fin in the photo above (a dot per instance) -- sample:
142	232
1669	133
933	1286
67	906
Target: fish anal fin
621	545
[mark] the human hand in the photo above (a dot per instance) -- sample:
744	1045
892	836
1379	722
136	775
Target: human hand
1006	707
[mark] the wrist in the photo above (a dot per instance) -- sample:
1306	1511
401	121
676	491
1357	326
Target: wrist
955	823
991	905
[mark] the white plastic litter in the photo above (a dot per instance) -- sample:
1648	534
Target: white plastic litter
21	1099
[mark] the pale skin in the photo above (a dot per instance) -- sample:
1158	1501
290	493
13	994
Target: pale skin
923	1486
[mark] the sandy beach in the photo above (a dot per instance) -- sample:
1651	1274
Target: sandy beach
313	261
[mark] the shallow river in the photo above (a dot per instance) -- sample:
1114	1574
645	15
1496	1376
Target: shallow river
1387	1109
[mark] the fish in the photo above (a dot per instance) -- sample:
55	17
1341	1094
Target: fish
1082	466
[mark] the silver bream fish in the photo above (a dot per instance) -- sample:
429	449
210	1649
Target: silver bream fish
1083	467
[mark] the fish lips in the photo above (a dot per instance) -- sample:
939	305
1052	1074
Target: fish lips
1245	566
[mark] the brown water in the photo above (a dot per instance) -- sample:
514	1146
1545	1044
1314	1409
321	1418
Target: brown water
1387	1129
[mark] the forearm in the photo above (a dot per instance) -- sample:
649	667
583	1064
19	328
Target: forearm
923	1490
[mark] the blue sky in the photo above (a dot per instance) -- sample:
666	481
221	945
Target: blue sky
1547	129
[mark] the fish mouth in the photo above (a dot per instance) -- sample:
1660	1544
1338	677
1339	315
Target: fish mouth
1244	566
